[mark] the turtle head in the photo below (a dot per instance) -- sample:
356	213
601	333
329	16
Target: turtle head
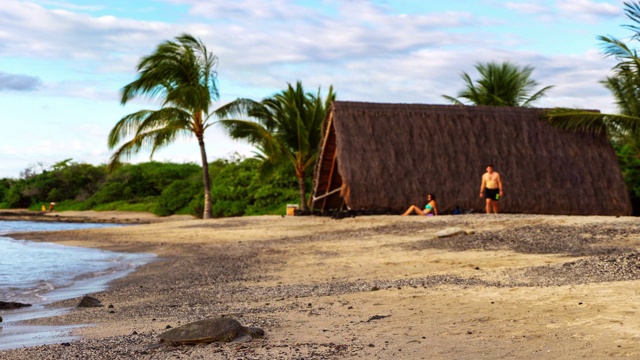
255	332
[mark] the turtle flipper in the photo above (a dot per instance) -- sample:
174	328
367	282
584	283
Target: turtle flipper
242	339
158	345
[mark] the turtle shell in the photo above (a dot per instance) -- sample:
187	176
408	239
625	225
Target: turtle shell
205	331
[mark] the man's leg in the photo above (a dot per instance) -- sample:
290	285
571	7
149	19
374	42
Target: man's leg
495	207
488	206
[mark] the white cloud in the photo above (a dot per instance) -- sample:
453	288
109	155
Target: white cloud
589	10
535	7
575	10
68	5
32	31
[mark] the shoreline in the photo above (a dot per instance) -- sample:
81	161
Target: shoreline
14	330
112	217
530	285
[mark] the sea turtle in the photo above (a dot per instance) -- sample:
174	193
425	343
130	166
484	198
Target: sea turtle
210	330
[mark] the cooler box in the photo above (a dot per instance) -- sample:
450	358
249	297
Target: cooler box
291	208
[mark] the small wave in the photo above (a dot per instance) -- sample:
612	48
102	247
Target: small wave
31	271
27	294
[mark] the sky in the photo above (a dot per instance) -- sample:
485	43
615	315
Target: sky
64	62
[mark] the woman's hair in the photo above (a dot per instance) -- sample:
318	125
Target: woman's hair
433	197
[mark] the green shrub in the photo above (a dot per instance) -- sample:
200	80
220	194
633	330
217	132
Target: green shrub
162	188
232	189
176	197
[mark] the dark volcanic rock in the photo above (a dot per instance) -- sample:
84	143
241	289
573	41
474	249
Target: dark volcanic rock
89	301
12	305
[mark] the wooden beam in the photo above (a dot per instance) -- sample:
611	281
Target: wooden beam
333	167
321	156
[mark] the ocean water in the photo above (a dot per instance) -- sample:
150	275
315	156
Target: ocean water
40	272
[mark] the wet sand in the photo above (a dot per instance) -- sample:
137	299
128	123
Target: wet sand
520	286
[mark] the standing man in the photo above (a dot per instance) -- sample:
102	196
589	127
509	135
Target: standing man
491	189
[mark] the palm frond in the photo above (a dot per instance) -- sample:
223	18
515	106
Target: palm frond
501	84
595	122
145	120
453	100
251	131
632	11
536	96
126	126
577	120
238	108
151	140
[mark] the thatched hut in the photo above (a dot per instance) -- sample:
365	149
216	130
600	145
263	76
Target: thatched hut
389	156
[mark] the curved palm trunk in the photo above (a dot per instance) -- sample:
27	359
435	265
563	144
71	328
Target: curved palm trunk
205	179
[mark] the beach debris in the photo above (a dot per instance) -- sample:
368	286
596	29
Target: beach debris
210	330
452	231
10	305
377	317
88	302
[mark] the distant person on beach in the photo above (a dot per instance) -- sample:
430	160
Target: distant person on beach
491	189
429	210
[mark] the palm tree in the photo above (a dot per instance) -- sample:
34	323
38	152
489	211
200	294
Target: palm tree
181	74
624	85
286	128
500	85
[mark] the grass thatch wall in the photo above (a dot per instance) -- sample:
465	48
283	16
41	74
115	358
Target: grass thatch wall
392	155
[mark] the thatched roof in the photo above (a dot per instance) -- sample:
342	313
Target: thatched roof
389	156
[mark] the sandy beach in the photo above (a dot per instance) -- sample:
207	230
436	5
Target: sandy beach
516	286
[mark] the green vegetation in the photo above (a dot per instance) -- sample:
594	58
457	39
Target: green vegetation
623	128
161	188
181	74
239	190
624	84
286	130
500	85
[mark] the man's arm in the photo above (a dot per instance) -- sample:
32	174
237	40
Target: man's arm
500	184
482	185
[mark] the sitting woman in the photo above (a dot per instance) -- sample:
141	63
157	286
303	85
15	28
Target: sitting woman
429	210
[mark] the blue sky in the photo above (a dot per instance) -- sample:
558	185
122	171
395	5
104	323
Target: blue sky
63	62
